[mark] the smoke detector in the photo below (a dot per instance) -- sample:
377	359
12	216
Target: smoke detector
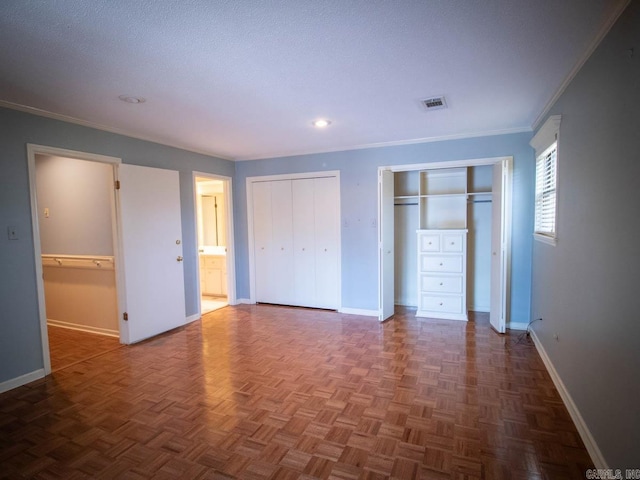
434	103
131	99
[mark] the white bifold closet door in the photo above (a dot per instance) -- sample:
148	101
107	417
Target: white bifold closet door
273	242
295	227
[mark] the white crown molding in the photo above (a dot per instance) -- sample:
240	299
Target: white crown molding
441	138
581	61
85	123
65	118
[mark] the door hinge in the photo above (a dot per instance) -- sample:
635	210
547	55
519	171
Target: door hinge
125	316
117	185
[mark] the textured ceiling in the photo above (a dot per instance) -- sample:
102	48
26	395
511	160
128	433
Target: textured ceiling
244	79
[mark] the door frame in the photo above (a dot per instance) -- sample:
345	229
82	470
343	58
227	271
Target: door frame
230	257
477	162
32	151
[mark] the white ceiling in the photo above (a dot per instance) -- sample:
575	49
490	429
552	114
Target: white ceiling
243	79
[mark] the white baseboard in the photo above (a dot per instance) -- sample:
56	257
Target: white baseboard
359	311
479	308
517	325
244	301
583	430
192	318
405	302
21	380
83	328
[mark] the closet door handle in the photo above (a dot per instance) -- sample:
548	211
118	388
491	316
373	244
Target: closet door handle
179	259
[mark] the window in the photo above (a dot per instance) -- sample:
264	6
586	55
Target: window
545	223
545	143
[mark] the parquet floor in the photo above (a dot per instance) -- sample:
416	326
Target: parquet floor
262	392
68	347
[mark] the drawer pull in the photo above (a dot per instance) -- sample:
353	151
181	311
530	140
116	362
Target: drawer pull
440	263
441	284
453	243
441	303
429	243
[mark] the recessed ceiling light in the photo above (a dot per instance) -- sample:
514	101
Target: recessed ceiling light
131	99
321	123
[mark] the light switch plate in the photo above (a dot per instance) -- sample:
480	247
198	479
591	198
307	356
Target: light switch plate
12	233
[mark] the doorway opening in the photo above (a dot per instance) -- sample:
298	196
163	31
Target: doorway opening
214	230
73	208
144	230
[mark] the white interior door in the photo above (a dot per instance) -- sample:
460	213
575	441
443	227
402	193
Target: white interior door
386	245
151	238
500	240
262	242
282	235
326	216
304	262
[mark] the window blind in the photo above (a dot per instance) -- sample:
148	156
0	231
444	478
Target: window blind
545	214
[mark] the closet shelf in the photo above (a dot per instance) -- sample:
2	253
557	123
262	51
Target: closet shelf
442	195
406	197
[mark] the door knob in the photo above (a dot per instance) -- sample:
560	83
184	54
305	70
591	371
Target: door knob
179	259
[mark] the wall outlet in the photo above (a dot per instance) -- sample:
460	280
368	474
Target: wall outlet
12	233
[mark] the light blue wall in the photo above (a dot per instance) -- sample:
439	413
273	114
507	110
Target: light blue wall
19	323
586	287
19	326
359	180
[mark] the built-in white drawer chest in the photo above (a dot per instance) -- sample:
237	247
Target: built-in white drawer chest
442	265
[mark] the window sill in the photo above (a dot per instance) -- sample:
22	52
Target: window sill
545	239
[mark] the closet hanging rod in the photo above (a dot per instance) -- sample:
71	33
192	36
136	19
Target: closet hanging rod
78	261
478	201
403	204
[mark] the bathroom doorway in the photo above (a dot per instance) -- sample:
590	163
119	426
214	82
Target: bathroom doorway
213	233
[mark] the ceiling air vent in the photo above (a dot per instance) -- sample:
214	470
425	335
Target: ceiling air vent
434	103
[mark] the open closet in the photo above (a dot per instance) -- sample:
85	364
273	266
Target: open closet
448	253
